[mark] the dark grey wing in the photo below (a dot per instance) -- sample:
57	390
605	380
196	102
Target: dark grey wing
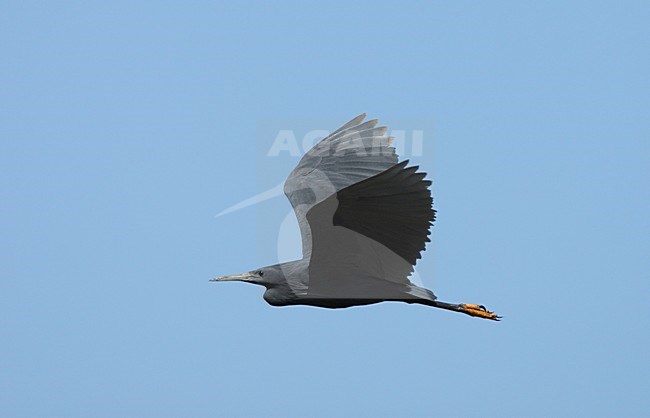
352	153
368	236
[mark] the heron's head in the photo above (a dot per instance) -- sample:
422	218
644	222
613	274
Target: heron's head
265	276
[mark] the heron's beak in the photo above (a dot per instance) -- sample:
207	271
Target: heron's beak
234	278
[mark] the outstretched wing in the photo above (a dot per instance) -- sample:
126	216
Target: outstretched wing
354	152
364	218
370	234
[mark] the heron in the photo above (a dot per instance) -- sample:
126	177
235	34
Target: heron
364	219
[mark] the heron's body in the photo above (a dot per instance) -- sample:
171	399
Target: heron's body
364	220
292	289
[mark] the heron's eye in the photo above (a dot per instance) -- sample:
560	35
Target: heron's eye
260	273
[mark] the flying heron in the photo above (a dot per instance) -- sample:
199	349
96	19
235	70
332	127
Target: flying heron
364	220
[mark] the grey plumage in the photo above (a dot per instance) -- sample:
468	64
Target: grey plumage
364	221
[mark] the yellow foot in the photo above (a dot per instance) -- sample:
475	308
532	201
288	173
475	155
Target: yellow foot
478	311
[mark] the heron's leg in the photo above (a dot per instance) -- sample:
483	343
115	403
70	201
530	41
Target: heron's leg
470	309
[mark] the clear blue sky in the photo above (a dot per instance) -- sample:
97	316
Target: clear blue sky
125	128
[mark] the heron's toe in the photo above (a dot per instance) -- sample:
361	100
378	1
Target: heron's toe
479	311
